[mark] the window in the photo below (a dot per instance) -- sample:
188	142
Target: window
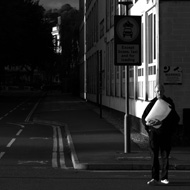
117	75
141	69
107	70
112	69
146	73
151	53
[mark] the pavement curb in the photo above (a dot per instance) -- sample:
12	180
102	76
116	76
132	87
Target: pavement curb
76	164
132	164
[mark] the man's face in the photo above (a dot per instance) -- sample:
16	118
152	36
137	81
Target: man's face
159	92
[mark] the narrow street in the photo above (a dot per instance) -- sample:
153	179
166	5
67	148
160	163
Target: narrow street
25	143
37	155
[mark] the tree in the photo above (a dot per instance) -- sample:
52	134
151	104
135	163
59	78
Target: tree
69	37
66	63
24	35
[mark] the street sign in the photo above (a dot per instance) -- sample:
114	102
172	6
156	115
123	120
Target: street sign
127	34
172	75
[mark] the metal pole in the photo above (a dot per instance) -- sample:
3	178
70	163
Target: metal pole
100	81
127	132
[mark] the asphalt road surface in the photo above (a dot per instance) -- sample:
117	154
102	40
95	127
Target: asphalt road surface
36	156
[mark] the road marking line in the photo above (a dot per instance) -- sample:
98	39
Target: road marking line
42	162
54	139
62	161
60	139
54	153
74	158
58	148
22	126
54	160
2	154
11	111
19	132
32	111
61	153
11	142
39	138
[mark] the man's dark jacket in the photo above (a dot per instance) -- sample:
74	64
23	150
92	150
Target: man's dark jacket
169	124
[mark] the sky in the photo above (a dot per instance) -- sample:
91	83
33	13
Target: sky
56	4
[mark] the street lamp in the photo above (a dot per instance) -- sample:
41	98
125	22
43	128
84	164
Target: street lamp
126	4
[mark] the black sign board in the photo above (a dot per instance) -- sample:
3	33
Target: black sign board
127	34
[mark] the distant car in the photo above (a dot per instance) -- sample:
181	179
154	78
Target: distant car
127	32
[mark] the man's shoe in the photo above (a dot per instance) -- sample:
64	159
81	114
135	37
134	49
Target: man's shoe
152	182
165	181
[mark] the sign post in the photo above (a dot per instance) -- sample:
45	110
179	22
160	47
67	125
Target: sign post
127	45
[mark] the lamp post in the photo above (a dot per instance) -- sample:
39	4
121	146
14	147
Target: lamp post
126	4
127	131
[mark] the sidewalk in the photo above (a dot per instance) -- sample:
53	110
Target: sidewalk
98	143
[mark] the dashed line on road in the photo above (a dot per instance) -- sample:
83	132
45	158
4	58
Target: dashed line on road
13	139
11	142
1	154
5	115
19	132
32	111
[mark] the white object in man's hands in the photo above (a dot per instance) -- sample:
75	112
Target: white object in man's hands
159	112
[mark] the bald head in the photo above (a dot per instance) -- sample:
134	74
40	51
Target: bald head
159	90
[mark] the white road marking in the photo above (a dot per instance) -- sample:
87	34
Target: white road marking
54	139
19	132
22	126
60	139
33	162
74	157
39	138
11	110
32	111
61	154
54	153
11	142
54	160
2	154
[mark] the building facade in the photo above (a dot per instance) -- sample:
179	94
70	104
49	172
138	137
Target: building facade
165	55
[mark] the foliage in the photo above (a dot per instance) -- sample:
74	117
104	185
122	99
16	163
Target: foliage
70	20
24	35
26	40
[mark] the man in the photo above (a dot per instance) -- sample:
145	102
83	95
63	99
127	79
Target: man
160	138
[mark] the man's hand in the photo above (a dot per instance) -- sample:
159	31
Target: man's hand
153	122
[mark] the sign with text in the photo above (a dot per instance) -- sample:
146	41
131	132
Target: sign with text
127	33
172	75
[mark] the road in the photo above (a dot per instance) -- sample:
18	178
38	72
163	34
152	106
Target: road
24	143
60	179
36	156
